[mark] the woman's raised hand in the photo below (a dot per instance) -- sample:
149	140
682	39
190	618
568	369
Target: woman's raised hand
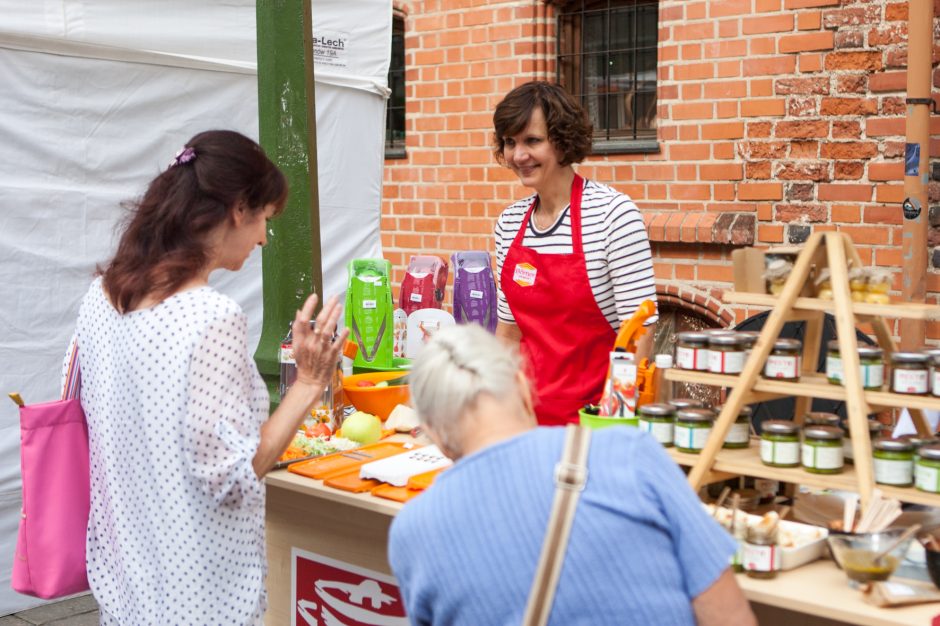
315	350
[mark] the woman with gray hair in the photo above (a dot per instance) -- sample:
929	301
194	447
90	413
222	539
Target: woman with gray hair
641	549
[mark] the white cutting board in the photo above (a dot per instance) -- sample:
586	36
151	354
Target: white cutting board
422	324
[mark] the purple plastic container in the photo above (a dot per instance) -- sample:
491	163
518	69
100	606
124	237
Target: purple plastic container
474	289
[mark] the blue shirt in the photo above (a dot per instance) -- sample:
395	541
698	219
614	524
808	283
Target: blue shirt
641	547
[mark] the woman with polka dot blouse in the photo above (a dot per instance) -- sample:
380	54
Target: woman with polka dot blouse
178	421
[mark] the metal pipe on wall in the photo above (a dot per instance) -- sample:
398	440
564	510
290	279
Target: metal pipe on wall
916	167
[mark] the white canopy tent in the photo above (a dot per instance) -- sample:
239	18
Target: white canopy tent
96	98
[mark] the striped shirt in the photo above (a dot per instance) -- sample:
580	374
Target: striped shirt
616	249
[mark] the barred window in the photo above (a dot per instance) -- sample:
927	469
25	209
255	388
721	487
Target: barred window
395	106
607	59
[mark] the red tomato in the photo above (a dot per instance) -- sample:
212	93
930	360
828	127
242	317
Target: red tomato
321	430
365	383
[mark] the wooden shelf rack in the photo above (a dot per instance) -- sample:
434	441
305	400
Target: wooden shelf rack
835	251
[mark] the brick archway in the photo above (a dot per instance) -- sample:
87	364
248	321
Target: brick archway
698	302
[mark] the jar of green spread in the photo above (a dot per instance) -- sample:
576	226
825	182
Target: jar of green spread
725	354
909	373
784	361
871	364
894	462
739	435
822	450
659	420
927	471
919	442
780	443
693	428
874	432
819	418
692	351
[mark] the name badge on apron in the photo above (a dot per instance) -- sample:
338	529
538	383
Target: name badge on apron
524	275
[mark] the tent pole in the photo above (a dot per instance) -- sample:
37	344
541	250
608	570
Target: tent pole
291	262
916	167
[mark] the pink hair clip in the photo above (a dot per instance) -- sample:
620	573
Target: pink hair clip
183	156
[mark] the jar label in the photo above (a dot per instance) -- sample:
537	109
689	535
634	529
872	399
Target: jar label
894	471
738	433
873	375
928	478
725	362
780	452
936	382
691	438
822	457
834	368
909	381
661	431
691	358
761	558
778	366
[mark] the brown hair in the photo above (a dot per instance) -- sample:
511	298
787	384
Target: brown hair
164	243
569	128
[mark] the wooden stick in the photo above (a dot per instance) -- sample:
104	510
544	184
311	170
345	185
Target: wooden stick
894	544
722	497
848	513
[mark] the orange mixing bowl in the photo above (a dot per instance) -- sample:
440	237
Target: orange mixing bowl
378	401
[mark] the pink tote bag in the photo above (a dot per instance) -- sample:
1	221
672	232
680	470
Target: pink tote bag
50	547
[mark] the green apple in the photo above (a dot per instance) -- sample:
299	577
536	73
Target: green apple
362	427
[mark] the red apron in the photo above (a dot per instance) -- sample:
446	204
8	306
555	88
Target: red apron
565	336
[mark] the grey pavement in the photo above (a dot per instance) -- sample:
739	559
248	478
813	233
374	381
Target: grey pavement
77	611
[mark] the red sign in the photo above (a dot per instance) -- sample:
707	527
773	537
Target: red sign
327	592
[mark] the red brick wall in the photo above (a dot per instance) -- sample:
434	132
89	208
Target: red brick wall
776	118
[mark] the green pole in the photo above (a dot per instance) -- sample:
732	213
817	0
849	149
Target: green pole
291	267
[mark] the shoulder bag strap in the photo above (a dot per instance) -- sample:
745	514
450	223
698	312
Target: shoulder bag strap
570	478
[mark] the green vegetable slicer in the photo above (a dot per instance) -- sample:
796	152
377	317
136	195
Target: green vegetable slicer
369	312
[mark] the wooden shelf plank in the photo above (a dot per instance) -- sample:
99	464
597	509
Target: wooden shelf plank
807	386
746	462
906	310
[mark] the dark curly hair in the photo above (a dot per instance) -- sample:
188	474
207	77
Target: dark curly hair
569	128
165	238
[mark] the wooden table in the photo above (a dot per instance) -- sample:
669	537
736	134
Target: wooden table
353	528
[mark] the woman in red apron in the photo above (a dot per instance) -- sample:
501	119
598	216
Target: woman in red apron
548	302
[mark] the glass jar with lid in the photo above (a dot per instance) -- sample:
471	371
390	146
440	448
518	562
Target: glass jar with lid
780	443
909	373
748	339
692	351
871	367
762	557
874	432
776	274
822	450
870	362
739	435
879	284
858	283
686	403
893	462
934	361
820	418
784	361
918	442
927	470
725	353
659	420
693	428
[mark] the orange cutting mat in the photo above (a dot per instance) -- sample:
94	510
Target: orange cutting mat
327	466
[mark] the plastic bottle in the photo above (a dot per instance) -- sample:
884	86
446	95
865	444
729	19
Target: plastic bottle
662	388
